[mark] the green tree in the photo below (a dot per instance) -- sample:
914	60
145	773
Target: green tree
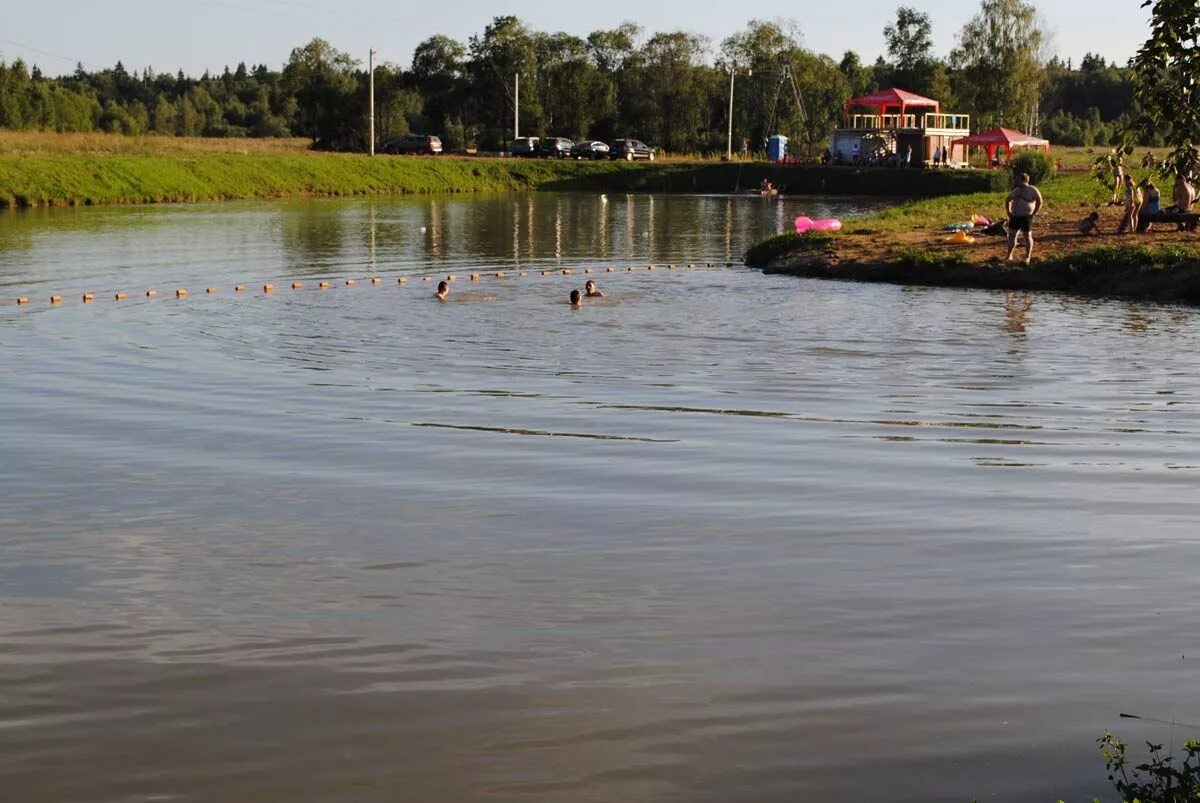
859	78
437	74
323	82
997	62
506	48
1167	67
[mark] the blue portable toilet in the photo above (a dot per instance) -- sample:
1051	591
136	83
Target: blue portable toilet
777	148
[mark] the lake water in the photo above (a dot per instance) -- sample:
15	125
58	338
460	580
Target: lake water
719	536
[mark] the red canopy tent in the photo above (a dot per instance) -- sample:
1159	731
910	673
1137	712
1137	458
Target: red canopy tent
885	99
1003	138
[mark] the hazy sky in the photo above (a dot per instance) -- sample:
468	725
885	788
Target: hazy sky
208	34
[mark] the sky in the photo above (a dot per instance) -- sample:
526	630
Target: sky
195	35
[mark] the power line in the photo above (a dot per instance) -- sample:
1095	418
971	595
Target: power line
40	52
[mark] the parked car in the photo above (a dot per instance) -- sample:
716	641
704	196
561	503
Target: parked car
590	150
556	147
414	143
524	146
630	149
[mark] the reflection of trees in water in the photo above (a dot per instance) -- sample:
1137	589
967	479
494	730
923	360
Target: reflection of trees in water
313	235
1017	309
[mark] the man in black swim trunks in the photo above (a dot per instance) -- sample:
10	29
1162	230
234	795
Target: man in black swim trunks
1022	205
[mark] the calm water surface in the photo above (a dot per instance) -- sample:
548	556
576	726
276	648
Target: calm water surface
720	536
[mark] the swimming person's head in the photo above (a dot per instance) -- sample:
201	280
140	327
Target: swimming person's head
443	290
575	298
591	290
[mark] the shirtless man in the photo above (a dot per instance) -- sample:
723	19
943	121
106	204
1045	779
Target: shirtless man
1022	205
591	290
442	291
575	298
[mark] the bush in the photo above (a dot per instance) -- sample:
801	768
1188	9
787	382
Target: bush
1158	780
1035	163
762	254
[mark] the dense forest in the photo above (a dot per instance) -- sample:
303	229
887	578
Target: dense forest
669	89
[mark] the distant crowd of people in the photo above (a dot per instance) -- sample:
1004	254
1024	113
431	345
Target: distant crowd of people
884	158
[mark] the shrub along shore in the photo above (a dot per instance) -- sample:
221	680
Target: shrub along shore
909	245
69	170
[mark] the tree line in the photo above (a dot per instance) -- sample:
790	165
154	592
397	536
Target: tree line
669	89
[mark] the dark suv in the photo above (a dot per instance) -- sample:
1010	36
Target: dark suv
414	143
590	150
630	149
555	147
524	146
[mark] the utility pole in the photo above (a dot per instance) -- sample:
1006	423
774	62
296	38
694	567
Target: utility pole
516	105
729	142
371	100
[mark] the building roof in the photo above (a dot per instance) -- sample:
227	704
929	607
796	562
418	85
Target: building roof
892	97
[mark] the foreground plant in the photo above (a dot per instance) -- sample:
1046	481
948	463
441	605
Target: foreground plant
1157	780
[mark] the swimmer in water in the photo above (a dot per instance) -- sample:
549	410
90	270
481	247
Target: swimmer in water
591	290
575	298
442	291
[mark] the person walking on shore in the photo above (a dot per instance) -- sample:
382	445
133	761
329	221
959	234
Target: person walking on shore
1022	206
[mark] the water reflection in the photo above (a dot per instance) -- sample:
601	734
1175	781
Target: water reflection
1017	310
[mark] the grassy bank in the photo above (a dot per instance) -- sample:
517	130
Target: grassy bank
87	179
41	169
908	244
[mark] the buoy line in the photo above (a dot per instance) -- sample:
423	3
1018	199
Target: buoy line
268	288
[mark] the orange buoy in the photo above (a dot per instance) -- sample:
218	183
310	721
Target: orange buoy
522	273
402	280
474	277
375	280
151	293
629	269
55	299
426	278
211	290
296	285
88	297
610	270
451	277
22	300
181	293
691	264
349	282
587	270
322	285
118	296
499	274
566	271
649	267
237	288
268	288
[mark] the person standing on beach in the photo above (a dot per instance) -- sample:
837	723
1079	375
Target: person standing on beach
1118	171
1022	205
1133	205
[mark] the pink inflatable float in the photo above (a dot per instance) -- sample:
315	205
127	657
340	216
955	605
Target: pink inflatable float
804	224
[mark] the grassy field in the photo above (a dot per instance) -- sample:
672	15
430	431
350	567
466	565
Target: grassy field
38	169
45	169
